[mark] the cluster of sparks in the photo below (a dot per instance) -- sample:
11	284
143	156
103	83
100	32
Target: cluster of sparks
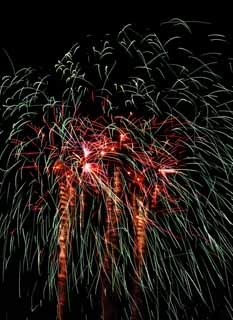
128	199
89	154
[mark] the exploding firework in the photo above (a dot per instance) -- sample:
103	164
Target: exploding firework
117	183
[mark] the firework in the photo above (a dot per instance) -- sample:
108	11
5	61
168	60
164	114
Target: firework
119	186
67	210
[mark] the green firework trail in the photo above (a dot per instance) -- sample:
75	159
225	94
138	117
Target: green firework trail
116	175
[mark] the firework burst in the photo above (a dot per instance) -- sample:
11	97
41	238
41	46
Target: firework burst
119	186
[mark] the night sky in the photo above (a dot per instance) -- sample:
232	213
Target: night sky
38	36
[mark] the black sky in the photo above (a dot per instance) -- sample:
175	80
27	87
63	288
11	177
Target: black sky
40	34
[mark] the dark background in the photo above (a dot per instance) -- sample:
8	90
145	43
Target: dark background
38	35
